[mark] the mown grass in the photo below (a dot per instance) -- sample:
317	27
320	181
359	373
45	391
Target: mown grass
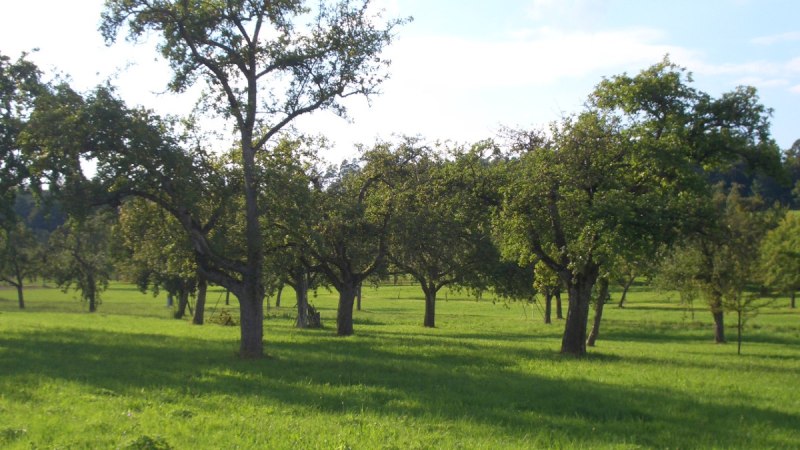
489	376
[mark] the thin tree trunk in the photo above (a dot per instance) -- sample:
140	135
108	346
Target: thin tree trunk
358	297
559	312
20	295
344	314
200	308
548	306
430	307
574	340
719	325
92	297
278	297
227	297
792	298
739	325
625	287
598	313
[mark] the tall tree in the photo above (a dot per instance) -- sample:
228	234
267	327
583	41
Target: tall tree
263	69
20	84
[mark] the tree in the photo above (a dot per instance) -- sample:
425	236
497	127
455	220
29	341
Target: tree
780	257
347	238
720	263
565	198
20	256
20	84
546	283
263	70
440	229
627	173
159	256
80	256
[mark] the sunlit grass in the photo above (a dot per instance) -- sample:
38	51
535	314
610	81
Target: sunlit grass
489	376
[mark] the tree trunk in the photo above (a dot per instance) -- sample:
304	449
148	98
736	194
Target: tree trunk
358	297
200	308
792	304
548	306
719	326
92	294
251	298
739	325
344	315
183	301
227	297
430	307
580	291
251	317
301	291
559	311
598	313
625	287
20	296
278	297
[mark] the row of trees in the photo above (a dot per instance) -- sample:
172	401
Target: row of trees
598	191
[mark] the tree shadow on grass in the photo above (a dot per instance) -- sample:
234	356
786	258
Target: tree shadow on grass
435	382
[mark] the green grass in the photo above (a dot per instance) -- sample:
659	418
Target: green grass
489	377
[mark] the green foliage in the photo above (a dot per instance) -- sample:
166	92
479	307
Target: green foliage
80	256
780	255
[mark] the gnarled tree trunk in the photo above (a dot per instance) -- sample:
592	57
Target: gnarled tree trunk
580	293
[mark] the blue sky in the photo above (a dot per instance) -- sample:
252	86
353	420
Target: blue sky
465	68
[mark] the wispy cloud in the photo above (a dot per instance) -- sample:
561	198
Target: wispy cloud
795	89
777	38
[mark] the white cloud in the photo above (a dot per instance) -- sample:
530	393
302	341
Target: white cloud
533	57
777	38
795	89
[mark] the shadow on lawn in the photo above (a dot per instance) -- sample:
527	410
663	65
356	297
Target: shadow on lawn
439	382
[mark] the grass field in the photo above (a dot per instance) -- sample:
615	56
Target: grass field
489	377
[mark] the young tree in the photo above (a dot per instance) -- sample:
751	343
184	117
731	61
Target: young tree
780	257
719	264
20	256
80	256
263	69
